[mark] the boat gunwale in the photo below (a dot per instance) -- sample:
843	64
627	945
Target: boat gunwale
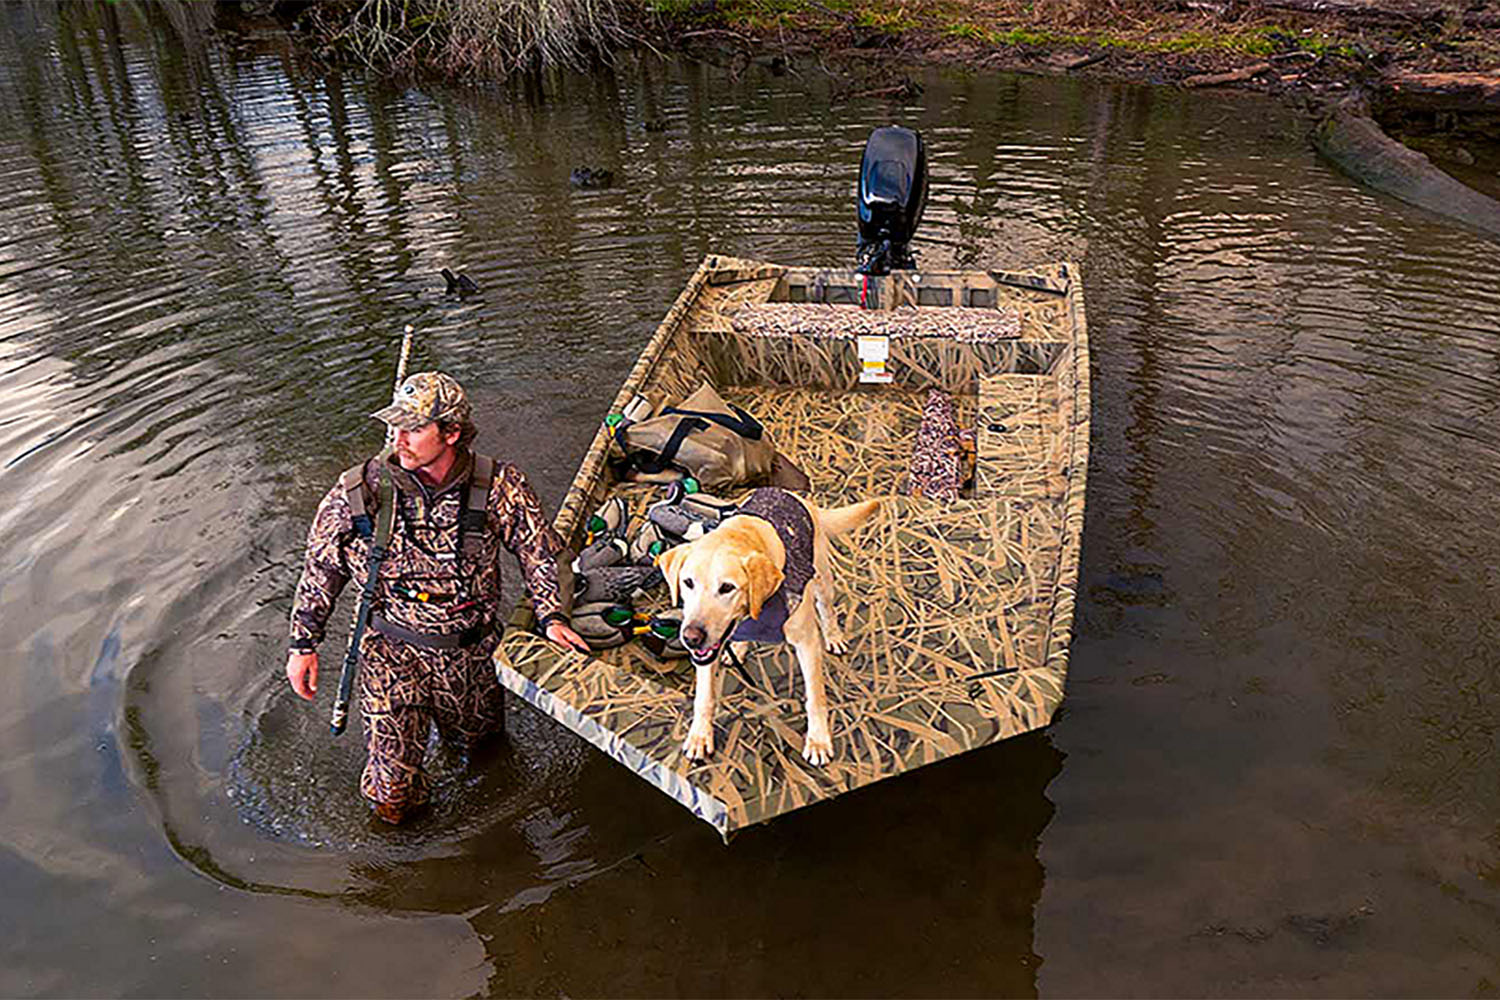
1060	630
570	512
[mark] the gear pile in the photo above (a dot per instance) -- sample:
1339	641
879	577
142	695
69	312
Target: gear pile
617	568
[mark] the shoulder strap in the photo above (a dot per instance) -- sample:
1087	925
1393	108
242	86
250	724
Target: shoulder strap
387	515
476	503
353	482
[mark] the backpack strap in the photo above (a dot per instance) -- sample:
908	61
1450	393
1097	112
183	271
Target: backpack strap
353	482
475	503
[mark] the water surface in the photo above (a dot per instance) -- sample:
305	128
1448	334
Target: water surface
1275	769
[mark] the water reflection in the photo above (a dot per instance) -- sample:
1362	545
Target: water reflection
1279	733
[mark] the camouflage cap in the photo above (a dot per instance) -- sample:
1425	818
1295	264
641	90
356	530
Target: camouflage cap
423	398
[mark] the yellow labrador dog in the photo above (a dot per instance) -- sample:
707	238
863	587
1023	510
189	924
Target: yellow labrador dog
746	581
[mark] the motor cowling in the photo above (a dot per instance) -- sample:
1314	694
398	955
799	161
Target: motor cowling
892	196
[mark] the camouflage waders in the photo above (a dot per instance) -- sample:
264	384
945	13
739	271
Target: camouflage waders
425	658
404	690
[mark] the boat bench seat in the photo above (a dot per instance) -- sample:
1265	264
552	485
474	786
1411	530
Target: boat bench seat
961	324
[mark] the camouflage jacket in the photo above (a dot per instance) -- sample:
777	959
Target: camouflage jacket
426	583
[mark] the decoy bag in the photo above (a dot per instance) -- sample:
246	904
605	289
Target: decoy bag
715	442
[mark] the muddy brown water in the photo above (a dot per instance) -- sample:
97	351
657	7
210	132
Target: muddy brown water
1276	768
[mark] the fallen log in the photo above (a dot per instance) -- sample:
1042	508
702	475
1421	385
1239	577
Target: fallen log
1233	76
1458	92
1357	146
1407	13
1083	61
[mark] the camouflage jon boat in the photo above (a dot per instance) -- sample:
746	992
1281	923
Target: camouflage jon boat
959	612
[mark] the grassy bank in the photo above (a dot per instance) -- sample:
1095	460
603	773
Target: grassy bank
1155	40
1144	39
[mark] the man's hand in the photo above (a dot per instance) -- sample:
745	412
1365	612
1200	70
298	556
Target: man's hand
561	635
302	671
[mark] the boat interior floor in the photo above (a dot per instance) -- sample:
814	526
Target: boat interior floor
943	604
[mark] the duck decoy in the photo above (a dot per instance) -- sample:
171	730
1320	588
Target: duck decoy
616	583
460	283
587	177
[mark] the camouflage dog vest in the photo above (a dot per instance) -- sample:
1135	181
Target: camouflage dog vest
793	525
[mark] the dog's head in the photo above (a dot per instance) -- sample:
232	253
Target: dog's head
719	580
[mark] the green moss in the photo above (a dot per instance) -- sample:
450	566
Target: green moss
729	11
765	15
1012	36
1326	47
1025	36
1253	42
893	22
963	29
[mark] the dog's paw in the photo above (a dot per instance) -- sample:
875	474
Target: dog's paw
836	644
818	750
699	743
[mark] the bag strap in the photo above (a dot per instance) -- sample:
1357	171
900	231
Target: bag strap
475	503
741	423
642	459
353	482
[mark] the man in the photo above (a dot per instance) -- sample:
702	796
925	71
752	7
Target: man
426	656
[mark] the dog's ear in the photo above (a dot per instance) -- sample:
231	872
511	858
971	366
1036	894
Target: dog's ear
761	580
670	564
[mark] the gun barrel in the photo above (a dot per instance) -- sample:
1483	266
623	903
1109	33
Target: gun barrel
340	718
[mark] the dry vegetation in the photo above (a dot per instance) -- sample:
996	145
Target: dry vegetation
469	38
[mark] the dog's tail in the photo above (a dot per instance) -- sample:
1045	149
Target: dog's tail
842	520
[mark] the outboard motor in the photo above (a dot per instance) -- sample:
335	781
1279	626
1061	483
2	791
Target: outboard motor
892	195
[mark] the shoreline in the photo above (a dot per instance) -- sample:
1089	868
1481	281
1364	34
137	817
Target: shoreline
1420	68
1307	43
1425	71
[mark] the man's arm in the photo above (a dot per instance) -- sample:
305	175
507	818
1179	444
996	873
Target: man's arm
526	532
324	574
